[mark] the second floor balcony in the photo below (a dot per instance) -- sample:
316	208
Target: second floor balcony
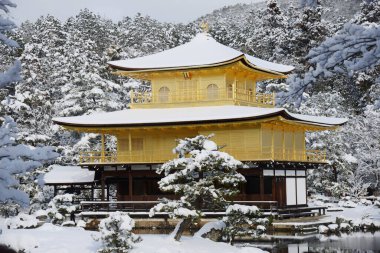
146	157
212	96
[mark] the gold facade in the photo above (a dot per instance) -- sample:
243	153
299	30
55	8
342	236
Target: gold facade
271	139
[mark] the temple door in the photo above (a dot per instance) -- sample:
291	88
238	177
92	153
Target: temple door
280	191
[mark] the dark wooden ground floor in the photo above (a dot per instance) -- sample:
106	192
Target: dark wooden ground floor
281	182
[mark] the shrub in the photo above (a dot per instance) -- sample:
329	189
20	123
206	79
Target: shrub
116	235
243	220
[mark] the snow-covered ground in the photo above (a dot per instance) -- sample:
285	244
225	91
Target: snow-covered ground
350	210
55	239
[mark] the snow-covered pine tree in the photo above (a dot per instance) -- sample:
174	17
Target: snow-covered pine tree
31	105
116	233
16	159
309	30
203	177
353	49
12	74
269	32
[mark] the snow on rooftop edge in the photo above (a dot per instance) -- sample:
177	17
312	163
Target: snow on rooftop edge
190	114
68	174
202	50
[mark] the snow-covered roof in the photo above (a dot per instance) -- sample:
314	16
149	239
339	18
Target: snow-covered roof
201	51
68	175
193	115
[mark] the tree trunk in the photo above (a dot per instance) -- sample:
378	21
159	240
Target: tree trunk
185	223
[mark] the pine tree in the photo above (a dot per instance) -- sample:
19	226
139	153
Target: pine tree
12	74
202	177
16	159
352	50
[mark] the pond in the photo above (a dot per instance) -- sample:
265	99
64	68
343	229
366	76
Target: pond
358	242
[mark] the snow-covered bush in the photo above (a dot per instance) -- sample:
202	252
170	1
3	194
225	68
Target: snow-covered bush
41	214
366	202
116	233
333	227
347	204
22	221
212	230
202	176
9	209
322	229
60	206
68	224
345	227
243	220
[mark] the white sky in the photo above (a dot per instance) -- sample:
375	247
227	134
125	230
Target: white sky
163	10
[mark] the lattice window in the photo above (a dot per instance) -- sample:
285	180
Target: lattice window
163	94
212	92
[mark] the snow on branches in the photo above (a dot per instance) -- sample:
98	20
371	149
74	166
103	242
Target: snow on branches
355	48
17	159
13	73
243	220
115	233
202	176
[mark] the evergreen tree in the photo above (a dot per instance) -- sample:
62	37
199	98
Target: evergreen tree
12	74
116	233
16	159
203	177
352	50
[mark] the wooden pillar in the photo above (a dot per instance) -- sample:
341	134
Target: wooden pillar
262	185
108	192
103	148
92	192
130	182
130	146
103	187
234	89
272	135
55	190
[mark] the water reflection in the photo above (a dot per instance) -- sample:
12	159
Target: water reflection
348	243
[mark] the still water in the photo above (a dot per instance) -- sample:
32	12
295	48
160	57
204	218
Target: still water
359	242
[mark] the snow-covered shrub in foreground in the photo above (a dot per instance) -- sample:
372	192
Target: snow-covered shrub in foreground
115	233
60	206
22	221
243	220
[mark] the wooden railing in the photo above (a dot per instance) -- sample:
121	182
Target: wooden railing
219	96
267	153
145	206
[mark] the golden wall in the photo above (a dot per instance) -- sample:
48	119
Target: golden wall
254	143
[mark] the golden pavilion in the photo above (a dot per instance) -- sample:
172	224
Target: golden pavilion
203	87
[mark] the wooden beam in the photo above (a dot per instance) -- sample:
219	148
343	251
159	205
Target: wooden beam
103	148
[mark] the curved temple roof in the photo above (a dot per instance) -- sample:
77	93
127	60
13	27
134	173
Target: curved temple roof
170	116
201	51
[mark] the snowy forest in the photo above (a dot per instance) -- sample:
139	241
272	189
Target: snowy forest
51	68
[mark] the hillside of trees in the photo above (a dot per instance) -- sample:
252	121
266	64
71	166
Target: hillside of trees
336	55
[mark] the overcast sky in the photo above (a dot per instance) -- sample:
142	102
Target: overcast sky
163	10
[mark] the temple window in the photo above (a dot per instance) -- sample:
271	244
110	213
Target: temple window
163	94
212	92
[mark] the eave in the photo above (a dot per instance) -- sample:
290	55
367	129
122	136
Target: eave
144	74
